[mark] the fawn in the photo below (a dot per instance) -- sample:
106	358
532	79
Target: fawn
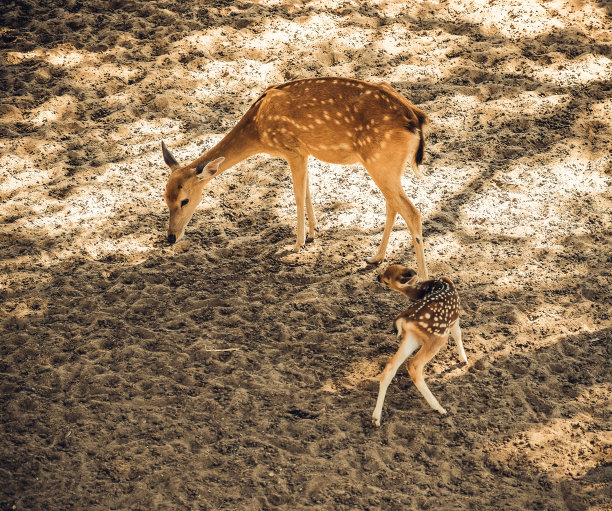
427	324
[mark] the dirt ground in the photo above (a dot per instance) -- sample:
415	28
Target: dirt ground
228	372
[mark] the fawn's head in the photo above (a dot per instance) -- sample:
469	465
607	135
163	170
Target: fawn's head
184	191
398	277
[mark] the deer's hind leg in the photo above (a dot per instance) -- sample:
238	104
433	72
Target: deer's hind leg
312	219
379	257
386	166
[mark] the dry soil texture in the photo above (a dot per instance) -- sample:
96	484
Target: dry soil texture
226	371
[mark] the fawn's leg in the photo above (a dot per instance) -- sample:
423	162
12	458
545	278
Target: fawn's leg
456	333
416	365
409	343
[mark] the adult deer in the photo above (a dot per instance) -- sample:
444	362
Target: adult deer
336	120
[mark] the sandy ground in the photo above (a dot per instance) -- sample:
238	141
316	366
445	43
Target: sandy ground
227	372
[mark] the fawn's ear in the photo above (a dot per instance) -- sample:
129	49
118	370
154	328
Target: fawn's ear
408	276
408	284
409	287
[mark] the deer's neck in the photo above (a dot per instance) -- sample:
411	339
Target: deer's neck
240	143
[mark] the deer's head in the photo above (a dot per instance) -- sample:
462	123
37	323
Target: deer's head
184	190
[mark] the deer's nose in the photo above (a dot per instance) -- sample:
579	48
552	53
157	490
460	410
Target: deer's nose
171	238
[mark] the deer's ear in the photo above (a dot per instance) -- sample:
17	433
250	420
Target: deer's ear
168	158
208	169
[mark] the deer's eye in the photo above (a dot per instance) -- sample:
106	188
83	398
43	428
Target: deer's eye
184	202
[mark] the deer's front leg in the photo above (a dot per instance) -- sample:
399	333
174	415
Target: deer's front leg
300	189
